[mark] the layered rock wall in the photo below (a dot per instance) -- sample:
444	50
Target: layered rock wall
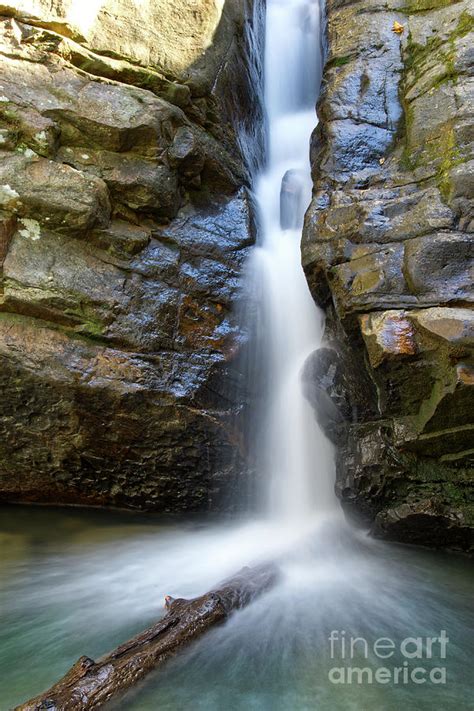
125	219
388	253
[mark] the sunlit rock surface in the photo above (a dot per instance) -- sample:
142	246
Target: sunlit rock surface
388	252
125	220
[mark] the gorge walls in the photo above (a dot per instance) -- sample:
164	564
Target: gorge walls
388	253
125	219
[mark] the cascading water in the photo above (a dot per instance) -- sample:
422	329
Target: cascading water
294	455
82	582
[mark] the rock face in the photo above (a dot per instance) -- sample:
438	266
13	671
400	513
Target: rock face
388	253
124	223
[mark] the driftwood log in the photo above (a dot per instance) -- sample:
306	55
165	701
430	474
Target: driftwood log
90	685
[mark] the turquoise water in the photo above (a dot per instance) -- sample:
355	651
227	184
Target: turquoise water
79	582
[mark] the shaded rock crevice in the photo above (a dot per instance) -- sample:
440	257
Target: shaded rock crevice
388	253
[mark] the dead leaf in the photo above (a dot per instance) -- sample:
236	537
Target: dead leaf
398	28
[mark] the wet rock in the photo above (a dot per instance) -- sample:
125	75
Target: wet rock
357	148
124	225
8	225
49	276
291	200
141	185
388	253
186	153
325	389
121	238
372	277
455	325
143	396
425	520
441	265
104	426
386	335
56	196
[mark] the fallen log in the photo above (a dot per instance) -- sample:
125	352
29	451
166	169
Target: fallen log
90	685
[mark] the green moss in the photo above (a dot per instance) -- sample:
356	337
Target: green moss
91	328
465	25
87	65
442	377
427	478
9	115
446	145
406	160
442	49
177	94
441	150
416	56
339	61
89	324
458	491
87	332
414	6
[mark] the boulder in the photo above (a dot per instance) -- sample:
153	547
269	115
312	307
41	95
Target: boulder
121	238
142	185
56	196
291	200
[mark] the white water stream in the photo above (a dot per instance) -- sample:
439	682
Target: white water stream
295	456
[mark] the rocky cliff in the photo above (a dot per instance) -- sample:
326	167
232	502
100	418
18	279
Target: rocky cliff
124	223
387	250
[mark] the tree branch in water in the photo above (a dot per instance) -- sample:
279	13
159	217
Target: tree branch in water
90	685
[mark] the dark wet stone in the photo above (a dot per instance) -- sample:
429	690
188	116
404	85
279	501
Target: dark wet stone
291	200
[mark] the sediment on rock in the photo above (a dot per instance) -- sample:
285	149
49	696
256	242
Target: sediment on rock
388	251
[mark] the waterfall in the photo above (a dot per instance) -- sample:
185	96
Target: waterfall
79	582
293	455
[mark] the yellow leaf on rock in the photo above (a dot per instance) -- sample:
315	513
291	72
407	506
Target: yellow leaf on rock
398	28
